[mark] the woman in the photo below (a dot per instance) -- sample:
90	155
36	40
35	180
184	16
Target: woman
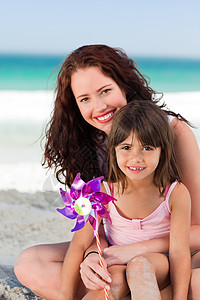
94	82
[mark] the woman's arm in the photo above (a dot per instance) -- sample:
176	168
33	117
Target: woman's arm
70	275
179	251
119	255
188	158
116	255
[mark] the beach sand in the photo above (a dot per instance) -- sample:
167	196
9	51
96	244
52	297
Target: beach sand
10	288
27	219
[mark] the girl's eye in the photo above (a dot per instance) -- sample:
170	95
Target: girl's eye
126	148
148	148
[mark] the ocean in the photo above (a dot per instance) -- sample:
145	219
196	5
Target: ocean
26	101
38	72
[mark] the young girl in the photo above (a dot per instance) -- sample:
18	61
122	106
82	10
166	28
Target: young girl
93	83
151	203
151	200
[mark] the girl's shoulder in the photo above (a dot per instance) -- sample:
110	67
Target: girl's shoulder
179	196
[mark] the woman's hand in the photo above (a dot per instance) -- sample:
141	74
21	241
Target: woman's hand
119	255
93	275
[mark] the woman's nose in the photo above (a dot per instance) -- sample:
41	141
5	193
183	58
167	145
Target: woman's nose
100	105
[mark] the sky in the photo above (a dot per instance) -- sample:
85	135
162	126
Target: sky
164	28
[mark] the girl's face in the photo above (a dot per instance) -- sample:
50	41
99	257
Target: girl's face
137	162
98	97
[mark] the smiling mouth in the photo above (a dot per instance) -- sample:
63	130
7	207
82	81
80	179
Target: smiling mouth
136	169
106	117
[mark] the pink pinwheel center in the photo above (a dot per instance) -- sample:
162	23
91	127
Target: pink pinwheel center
83	206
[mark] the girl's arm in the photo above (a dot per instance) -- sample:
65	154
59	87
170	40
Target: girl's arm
93	275
70	271
90	267
188	158
179	251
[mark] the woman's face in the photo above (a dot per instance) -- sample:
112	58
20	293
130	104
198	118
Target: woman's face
98	97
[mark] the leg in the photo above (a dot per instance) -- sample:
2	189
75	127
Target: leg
118	288
166	293
194	289
39	268
146	275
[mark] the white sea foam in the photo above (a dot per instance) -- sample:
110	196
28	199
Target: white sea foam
23	115
25	106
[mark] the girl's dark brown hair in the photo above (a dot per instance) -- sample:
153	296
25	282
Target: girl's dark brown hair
71	143
150	124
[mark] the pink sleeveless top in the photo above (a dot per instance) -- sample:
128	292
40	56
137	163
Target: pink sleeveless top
124	231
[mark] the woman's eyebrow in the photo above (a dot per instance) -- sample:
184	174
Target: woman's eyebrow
101	88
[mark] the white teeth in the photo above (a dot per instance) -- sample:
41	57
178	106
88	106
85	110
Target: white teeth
135	169
105	117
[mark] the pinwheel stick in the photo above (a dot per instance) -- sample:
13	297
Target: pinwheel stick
84	202
101	261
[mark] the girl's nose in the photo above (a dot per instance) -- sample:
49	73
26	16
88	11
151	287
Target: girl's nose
135	156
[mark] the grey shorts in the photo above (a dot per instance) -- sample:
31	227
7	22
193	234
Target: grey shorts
192	254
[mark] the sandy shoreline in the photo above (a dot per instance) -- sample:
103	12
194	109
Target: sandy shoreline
27	219
10	288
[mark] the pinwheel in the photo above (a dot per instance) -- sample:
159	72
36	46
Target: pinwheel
84	202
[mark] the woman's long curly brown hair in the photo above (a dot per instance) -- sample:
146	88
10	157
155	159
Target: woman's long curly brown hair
71	143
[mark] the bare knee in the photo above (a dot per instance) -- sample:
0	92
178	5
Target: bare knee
118	274
25	266
194	289
139	265
142	279
118	286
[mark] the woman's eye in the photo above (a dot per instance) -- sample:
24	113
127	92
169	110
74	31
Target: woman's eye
84	99
106	91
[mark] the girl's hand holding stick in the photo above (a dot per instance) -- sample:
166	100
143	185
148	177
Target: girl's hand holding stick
84	202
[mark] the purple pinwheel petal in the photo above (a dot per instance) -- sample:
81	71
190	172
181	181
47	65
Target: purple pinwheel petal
102	198
76	187
92	191
66	197
97	206
103	213
75	194
69	213
95	184
87	191
94	223
80	223
92	186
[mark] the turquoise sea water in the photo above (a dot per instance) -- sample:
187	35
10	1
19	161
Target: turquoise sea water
26	72
26	102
